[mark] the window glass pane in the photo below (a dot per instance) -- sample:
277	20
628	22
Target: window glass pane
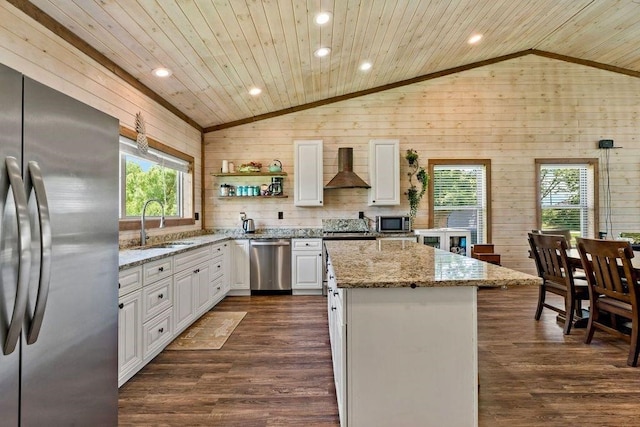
148	180
566	198
153	174
459	199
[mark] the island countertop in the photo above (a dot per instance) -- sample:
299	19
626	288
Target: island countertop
397	264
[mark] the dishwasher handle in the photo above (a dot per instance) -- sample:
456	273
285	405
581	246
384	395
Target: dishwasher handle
271	243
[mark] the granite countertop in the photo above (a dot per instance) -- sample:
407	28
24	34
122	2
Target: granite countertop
388	263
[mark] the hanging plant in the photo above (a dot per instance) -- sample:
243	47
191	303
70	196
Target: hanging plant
415	193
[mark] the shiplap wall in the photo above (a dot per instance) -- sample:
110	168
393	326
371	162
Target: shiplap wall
38	53
511	112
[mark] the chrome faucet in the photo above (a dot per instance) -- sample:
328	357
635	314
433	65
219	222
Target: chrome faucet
143	233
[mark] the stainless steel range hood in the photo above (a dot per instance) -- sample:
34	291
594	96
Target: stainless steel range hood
345	177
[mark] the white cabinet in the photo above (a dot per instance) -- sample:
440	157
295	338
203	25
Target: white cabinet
306	266
161	298
337	337
456	240
384	172
157	306
129	324
240	268
191	284
308	173
220	271
183	305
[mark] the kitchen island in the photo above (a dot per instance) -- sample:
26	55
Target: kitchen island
403	329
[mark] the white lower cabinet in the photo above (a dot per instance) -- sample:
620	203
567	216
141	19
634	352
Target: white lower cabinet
129	335
337	336
160	299
183	307
306	266
240	268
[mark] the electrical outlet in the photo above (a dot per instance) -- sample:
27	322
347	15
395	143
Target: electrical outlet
280	215
196	216
361	215
243	216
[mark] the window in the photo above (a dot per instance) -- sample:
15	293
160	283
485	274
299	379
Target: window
155	174
567	195
459	196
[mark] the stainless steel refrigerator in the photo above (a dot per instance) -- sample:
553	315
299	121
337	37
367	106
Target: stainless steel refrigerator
58	258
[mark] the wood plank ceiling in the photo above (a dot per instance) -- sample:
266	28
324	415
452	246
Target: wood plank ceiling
219	49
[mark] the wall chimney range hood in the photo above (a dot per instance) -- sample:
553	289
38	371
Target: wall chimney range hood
346	178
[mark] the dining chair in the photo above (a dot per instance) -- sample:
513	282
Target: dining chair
559	231
613	289
550	254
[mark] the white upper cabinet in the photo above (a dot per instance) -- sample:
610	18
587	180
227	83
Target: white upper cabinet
384	172
308	185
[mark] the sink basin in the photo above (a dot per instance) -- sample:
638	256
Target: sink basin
167	245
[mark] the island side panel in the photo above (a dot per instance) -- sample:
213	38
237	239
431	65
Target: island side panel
412	356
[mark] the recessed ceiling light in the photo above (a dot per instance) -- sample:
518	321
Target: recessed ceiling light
322	52
254	91
365	66
322	18
474	39
161	72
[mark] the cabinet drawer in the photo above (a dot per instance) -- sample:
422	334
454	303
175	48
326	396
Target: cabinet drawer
156	270
189	259
157	333
219	250
306	244
217	288
157	298
129	280
217	268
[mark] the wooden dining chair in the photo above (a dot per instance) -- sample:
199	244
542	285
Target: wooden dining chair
550	254
560	232
613	289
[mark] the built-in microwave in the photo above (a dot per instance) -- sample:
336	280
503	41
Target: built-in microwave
393	224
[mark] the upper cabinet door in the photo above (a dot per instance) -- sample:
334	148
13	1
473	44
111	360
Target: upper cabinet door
308	173
384	172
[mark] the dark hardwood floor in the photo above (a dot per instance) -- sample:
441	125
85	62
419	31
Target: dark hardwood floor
275	370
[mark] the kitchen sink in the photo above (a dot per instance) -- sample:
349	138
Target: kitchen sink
167	245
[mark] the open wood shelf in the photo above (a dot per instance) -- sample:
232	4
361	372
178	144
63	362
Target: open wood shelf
281	196
250	174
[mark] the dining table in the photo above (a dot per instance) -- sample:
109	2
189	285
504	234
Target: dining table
574	259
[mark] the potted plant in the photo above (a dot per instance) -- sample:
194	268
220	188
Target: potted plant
415	193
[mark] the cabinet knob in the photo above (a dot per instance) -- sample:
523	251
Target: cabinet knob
333	308
161	330
118	285
218	288
160	296
121	306
220	249
335	294
373	201
197	270
160	268
219	265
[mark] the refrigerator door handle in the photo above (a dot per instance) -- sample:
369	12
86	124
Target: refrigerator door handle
24	252
34	180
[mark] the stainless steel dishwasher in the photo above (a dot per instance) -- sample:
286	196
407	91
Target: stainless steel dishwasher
270	261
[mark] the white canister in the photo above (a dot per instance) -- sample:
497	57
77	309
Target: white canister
225	166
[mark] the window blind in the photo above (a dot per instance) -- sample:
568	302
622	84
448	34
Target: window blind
459	198
129	147
566	197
